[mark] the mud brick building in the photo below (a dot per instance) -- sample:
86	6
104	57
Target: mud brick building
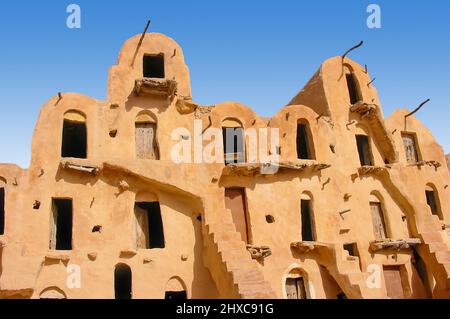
358	207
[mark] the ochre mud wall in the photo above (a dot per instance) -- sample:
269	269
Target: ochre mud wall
204	254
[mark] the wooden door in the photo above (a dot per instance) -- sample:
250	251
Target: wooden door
145	141
295	288
141	227
410	148
236	203
393	282
379	225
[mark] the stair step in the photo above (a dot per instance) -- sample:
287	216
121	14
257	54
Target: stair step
247	274
442	256
434	247
433	237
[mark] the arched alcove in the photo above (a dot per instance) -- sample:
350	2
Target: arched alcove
305	142
74	135
52	293
308	232
233	141
433	201
123	282
175	289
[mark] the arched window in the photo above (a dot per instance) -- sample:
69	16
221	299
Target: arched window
305	145
378	217
74	136
296	285
354	91
122	282
52	293
433	200
175	289
145	136
233	141
307	218
2	205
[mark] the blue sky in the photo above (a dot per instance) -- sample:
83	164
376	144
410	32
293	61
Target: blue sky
260	53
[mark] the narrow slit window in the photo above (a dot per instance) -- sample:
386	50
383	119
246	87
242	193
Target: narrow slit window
123	282
149	226
364	151
295	288
352	86
304	150
2	211
153	66
233	144
411	151
433	202
307	221
74	139
61	225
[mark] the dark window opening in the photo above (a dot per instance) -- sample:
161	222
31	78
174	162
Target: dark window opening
352	86
341	296
176	295
233	145
303	147
365	153
410	143
74	140
149	226
352	249
61	232
122	282
307	221
154	66
295	288
433	203
2	211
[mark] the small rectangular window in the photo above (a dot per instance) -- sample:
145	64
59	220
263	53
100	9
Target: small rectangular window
74	139
303	147
365	153
411	151
153	66
307	221
352	249
233	144
61	225
2	211
149	226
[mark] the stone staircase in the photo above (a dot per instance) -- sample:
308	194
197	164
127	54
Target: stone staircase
436	252
346	271
235	273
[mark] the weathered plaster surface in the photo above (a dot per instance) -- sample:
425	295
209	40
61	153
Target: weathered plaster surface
207	254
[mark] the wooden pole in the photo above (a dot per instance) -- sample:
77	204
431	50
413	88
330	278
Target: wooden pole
140	42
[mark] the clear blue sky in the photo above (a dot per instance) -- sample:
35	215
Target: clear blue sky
260	53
